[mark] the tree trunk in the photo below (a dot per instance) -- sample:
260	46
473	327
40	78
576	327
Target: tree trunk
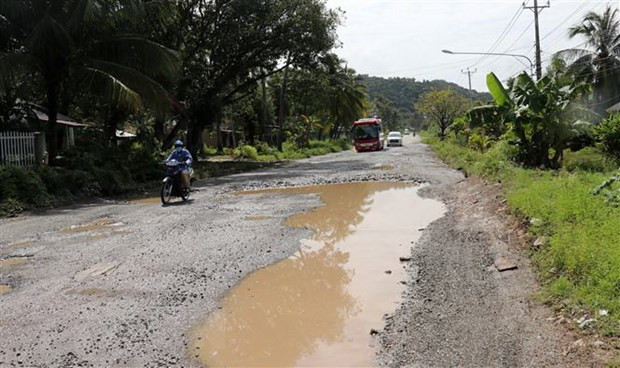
262	129
53	90
194	139
159	129
281	103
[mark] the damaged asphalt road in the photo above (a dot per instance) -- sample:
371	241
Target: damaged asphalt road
123	284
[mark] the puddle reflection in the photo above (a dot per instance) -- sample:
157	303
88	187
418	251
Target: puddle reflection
317	307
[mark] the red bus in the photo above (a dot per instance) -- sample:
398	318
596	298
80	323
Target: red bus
367	135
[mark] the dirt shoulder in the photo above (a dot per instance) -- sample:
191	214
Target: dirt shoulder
461	311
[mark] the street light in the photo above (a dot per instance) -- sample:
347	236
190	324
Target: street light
493	54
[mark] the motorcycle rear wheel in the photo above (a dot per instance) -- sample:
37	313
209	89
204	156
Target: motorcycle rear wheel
184	194
166	192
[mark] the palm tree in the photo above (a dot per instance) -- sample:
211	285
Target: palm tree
83	44
348	99
599	62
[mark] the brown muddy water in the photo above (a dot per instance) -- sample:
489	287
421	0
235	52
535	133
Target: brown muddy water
146	201
101	224
5	288
317	307
258	218
13	261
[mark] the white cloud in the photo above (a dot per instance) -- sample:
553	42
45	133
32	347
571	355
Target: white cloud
405	38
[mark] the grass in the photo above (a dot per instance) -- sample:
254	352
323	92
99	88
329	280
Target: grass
580	264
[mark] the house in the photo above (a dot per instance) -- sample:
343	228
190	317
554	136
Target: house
67	124
24	143
614	108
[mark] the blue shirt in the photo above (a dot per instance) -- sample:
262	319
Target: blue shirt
182	156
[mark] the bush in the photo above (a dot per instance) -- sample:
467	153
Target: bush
608	131
247	152
22	185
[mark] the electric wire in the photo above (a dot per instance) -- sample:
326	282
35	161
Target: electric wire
502	35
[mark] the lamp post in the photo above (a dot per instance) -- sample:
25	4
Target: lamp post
493	54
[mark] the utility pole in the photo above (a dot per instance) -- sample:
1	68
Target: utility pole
469	73
537	9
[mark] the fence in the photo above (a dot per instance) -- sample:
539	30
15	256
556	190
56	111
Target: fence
18	149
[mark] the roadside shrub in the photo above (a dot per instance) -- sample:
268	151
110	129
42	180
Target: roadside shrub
11	207
24	186
608	132
479	142
247	152
209	151
264	149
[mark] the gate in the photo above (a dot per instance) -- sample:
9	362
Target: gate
17	149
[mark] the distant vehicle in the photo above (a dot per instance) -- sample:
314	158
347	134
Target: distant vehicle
367	135
407	131
395	139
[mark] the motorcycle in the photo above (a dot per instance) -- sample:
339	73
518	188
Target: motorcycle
172	185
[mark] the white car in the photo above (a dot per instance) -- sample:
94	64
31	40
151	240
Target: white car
394	139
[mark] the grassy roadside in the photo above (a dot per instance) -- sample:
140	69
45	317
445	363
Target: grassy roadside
579	259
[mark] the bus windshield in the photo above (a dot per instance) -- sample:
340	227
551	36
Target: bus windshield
363	132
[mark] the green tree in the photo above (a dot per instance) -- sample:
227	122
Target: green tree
442	107
230	45
599	63
387	112
76	44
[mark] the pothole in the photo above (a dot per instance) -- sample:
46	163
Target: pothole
258	218
101	224
5	288
146	201
91	292
13	261
19	244
317	307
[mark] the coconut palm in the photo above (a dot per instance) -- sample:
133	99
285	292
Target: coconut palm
348	99
73	45
599	62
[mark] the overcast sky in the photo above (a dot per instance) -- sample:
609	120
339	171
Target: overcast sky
404	38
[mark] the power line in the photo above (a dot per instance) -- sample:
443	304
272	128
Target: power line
502	35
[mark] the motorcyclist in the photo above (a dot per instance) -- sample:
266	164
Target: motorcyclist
185	158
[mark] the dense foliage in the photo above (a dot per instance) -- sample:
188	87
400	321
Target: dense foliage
394	99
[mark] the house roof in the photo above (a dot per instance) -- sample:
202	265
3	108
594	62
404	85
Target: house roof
42	115
615	107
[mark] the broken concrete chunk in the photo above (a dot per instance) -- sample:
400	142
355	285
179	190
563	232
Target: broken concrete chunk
540	241
504	264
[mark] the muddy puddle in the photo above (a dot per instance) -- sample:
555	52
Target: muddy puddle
258	218
5	288
317	307
101	224
146	201
13	261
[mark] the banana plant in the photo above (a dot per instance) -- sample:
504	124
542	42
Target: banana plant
541	116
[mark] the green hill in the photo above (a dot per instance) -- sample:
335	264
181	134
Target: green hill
394	98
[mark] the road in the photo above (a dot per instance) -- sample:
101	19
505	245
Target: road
125	283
